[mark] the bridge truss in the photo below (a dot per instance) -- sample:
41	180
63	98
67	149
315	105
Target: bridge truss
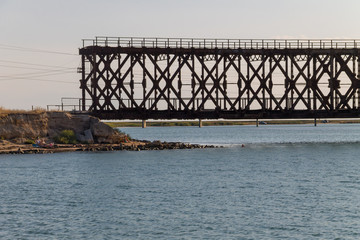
152	78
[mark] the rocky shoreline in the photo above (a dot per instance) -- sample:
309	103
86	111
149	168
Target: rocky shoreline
51	132
12	148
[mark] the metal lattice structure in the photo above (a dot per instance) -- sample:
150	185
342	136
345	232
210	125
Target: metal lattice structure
152	78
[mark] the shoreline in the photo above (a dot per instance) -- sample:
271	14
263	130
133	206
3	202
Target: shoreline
52	132
7	147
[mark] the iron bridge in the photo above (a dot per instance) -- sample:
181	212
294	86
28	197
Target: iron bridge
178	78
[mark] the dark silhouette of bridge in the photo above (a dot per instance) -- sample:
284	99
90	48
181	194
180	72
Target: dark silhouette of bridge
165	78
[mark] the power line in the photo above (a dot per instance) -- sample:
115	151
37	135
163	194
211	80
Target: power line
38	74
40	69
34	64
39	80
18	48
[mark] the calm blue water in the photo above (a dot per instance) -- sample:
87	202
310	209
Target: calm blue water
288	182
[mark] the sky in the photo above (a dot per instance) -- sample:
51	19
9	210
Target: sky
39	39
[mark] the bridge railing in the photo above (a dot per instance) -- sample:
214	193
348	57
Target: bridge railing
65	107
209	43
70	104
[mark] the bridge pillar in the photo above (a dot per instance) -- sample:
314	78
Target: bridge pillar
143	123
200	123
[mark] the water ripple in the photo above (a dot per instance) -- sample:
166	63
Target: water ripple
278	189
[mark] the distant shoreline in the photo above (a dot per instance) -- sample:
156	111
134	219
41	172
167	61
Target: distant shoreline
226	123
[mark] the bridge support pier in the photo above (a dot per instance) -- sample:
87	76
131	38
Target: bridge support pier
200	123
143	123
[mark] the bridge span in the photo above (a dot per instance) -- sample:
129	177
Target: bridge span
168	78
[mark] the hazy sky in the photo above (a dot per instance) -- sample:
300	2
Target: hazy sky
39	39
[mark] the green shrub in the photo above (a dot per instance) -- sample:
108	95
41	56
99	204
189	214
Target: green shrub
66	137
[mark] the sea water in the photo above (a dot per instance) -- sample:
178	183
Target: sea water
287	182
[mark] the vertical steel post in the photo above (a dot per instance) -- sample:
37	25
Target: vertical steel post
202	85
132	82
331	82
308	82
179	81
168	81
358	79
270	82
155	80
193	80
263	82
217	80
119	82
95	100
225	83
335	94
314	83
286	82
144	81
247	104
83	83
239	79
292	83
354	72
107	83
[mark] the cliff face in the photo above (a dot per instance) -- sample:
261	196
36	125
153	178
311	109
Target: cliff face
23	126
20	126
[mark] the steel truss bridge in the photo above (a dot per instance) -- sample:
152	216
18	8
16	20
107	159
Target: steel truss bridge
168	78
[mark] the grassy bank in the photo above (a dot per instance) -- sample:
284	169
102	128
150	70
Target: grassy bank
5	111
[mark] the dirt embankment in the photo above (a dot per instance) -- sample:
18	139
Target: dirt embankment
19	127
19	130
